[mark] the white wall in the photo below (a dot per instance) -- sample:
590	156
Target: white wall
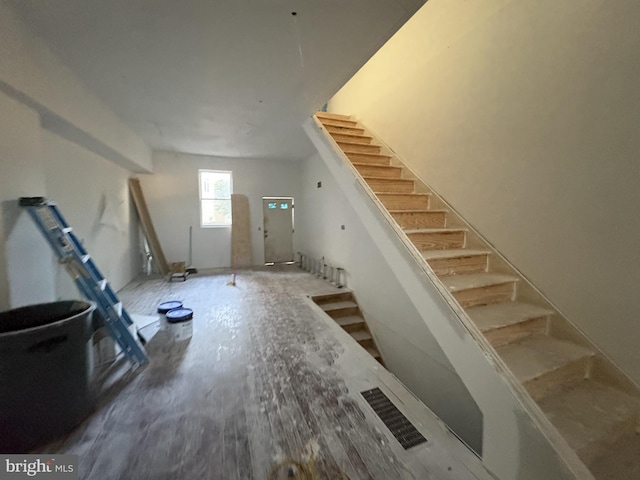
93	195
31	73
172	197
407	346
26	271
524	116
58	141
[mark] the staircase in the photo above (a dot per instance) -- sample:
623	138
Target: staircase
592	405
344	309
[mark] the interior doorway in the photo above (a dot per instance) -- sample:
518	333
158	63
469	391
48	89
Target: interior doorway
278	229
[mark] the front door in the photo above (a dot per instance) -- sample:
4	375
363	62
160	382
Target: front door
278	229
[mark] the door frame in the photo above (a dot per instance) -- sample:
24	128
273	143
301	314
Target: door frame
293	228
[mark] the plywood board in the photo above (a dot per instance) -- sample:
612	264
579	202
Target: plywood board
147	225
240	231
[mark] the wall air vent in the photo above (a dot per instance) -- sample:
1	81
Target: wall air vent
396	422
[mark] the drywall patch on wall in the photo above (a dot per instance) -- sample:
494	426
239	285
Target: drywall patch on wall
240	231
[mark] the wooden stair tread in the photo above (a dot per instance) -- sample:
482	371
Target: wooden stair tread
342	130
456	283
333	116
328	307
419	211
618	461
359	164
349	321
452	253
368	154
404	195
489	317
360	335
373	352
409	231
589	413
540	354
387	179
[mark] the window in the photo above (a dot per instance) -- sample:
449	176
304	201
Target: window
215	198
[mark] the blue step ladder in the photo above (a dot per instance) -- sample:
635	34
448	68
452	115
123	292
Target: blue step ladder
85	274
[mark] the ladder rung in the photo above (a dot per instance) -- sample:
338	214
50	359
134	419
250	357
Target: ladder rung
86	275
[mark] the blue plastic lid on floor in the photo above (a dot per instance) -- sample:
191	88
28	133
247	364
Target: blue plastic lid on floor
179	315
164	307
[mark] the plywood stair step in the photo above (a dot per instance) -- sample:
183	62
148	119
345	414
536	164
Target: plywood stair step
543	364
333	298
390	185
341	309
619	460
456	261
349	147
373	351
363	337
351	323
344	309
437	238
592	418
420	218
336	121
332	116
481	288
342	130
508	322
371	158
352	138
401	201
378	171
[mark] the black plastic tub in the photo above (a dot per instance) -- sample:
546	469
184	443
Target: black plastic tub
46	372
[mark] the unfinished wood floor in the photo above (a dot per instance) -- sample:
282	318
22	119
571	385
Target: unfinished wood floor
264	378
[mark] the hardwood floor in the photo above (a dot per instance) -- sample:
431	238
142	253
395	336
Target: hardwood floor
266	378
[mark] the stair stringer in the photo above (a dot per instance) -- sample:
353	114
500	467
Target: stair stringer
518	439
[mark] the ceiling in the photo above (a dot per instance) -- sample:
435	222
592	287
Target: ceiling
232	78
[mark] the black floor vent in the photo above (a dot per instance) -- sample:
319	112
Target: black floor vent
395	421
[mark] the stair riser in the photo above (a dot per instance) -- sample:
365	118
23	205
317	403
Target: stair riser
338	123
563	377
420	219
351	148
333	298
519	331
354	327
343	312
333	116
367	343
405	202
437	240
379	171
503	292
369	159
344	130
461	265
391	186
360	139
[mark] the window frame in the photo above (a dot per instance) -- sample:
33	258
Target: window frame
202	171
